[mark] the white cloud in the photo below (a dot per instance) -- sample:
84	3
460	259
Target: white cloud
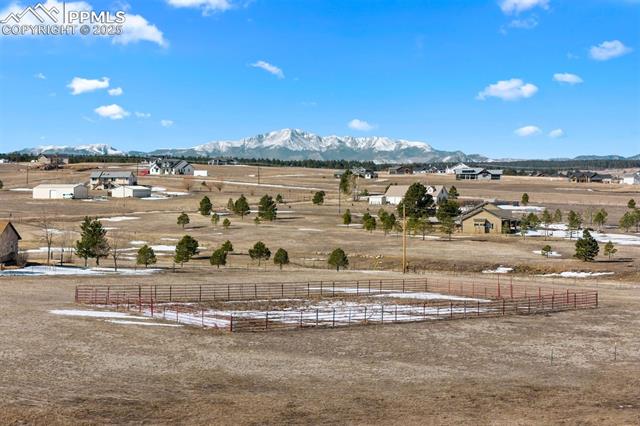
608	50
40	76
556	133
360	125
136	28
568	78
269	68
113	111
511	7
166	123
142	114
524	24
83	85
116	91
508	90
207	6
527	131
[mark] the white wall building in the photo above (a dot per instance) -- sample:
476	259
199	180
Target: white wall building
131	191
631	179
395	194
59	191
202	173
377	200
439	193
171	167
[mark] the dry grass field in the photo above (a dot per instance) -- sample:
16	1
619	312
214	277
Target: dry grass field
555	369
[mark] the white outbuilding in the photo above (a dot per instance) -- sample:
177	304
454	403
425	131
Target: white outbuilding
59	191
202	173
131	191
631	179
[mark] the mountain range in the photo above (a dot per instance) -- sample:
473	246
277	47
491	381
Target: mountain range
296	144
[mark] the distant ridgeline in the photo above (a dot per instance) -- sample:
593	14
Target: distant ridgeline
513	168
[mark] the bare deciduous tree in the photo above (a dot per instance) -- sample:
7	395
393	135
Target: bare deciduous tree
48	231
117	244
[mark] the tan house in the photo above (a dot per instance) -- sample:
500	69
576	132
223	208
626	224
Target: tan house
9	238
489	219
395	194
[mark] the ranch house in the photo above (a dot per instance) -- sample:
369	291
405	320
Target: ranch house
489	219
106	180
9	238
171	167
478	173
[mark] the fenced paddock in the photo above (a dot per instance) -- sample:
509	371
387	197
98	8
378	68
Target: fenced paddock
338	303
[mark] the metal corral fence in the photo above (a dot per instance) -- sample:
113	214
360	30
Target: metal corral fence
179	303
211	292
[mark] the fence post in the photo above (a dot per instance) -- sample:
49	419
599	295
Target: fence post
529	305
108	300
282	290
478	308
320	288
316	317
334	289
334	316
357	288
396	314
575	301
301	319
596	299
170	293
202	316
231	323
503	306
402	290
365	314
450	309
151	307
511	290
498	287
266	320
308	289
228	292
465	309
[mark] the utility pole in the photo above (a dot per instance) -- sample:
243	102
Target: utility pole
258	174
404	238
338	199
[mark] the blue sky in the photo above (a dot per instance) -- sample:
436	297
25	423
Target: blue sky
476	76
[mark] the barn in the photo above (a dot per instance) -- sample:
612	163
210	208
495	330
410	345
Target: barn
59	191
9	238
131	191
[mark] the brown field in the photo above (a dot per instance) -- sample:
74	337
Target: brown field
60	369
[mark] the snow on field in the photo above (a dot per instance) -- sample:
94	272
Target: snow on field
310	229
572	274
43	250
169	239
498	270
394	294
137	242
65	270
279	211
158	188
162	247
94	314
118	218
560	230
176	193
21	189
154	198
527	209
110	228
155	324
551	253
353	225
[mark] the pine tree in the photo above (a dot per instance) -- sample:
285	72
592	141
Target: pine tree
586	247
259	251
241	207
388	222
218	257
610	250
205	206
338	259
449	208
146	256
183	219
231	206
447	226
369	223
93	242
227	246
346	217
256	220
631	204
546	251
281	257
574	222
453	193
318	198
215	218
416	201
525	199
546	220
267	208
600	218
627	221
186	248
279	199
226	223
557	216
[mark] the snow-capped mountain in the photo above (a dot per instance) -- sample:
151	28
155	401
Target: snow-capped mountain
295	144
92	149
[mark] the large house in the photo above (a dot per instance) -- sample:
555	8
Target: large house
171	167
395	194
400	170
364	173
489	219
478	173
439	193
48	162
590	177
107	180
9	238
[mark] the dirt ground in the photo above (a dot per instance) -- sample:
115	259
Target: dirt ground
556	369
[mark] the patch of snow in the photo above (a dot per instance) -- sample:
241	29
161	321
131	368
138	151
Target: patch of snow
561	231
521	208
138	242
118	218
155	324
169	239
310	229
498	270
158	188
176	193
21	189
551	253
65	270
93	314
572	274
